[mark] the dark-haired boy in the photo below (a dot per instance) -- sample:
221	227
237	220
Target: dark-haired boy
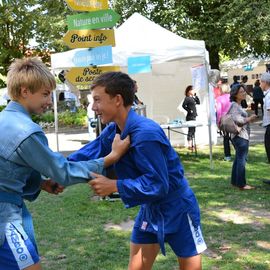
149	174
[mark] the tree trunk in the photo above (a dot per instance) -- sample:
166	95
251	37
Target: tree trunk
214	57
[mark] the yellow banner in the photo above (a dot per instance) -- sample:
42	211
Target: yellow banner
89	38
86	75
87	5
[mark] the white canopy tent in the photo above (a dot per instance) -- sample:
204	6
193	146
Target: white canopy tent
3	96
172	59
139	36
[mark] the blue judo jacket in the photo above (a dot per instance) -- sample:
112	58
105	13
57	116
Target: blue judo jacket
149	174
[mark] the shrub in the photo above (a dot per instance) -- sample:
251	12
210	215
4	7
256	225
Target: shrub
47	117
68	118
65	118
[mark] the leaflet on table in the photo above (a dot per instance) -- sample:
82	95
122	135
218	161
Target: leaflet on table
181	124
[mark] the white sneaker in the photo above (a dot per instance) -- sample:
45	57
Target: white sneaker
227	158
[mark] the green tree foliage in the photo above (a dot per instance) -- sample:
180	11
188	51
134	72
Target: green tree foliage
22	21
231	28
51	24
16	30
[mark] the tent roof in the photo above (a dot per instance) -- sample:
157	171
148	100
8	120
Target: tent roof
138	36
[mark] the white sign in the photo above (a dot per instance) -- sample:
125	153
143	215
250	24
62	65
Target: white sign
198	77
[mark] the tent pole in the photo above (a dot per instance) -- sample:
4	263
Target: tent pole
55	118
209	117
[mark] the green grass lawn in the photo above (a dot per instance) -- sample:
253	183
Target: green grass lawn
71	234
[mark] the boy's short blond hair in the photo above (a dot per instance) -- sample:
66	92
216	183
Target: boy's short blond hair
30	73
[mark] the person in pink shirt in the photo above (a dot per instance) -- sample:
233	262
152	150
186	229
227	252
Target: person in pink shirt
222	107
217	89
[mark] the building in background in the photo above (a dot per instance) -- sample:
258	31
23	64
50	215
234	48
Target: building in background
251	67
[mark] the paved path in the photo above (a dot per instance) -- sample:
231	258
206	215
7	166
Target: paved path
70	140
256	133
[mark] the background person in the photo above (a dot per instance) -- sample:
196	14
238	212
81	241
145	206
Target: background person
25	157
214	92
149	174
189	104
244	103
265	85
258	97
240	141
71	95
91	118
223	104
235	81
137	101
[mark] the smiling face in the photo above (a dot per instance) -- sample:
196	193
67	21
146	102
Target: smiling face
37	102
104	105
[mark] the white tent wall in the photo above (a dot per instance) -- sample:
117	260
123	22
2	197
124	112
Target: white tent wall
3	96
163	90
172	59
